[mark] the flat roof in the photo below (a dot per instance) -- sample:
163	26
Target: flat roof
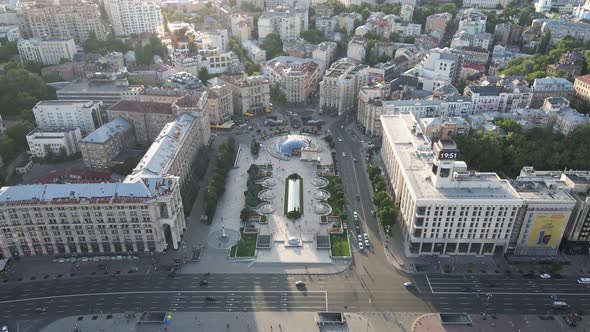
108	130
414	153
142	107
104	86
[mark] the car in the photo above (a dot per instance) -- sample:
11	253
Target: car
360	237
4	328
365	236
343	154
373	213
465	289
210	299
355	215
354	159
40	310
339	139
545	276
367	243
408	284
299	283
203	283
361	245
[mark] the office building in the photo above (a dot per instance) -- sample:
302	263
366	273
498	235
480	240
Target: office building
46	52
289	23
103	90
62	143
439	67
67	115
444	209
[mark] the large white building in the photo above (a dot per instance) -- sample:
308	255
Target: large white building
102	90
60	19
505	96
472	21
67	115
134	17
288	23
47	52
444	209
60	143
438	68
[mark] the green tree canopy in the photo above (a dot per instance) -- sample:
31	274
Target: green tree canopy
273	45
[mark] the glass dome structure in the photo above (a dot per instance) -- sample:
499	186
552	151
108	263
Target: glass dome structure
293	146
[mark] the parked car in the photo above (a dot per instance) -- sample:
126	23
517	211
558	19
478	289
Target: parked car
367	243
361	245
299	284
545	276
203	283
408	284
40	310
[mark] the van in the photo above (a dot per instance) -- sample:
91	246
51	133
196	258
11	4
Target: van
559	305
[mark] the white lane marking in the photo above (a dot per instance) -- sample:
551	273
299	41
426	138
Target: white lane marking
429	284
151	292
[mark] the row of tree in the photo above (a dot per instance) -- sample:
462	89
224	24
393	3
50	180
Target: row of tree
216	186
386	210
539	147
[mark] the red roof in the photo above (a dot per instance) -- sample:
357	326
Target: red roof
473	65
584	78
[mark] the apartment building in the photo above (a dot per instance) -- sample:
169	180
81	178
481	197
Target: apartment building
484	4
106	143
357	49
550	87
340	86
572	63
67	115
505	96
129	17
562	117
242	26
451	106
253	52
472	21
220	103
582	88
437	22
101	90
62	19
250	93
47	52
444	209
146	118
560	29
297	78
444	128
439	67
57	142
325	51
289	23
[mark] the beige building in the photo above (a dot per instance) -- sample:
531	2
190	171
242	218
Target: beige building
357	49
146	118
129	17
47	52
219	103
437	22
582	88
106	143
250	93
443	128
62	19
296	77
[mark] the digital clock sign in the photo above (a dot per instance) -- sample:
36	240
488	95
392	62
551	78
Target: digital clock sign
448	155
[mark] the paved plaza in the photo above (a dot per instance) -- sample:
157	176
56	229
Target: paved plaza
278	226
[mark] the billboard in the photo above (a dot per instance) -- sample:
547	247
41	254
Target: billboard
546	230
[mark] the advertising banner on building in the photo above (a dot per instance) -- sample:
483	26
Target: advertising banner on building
546	230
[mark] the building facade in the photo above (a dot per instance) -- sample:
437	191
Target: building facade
250	93
59	143
134	17
297	78
220	103
550	87
106	91
288	23
582	88
63	19
67	115
47	52
106	143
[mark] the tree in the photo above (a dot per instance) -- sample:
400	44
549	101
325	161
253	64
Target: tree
7	146
544	43
244	214
313	36
7	51
409	39
18	133
20	89
204	75
366	13
273	45
380	197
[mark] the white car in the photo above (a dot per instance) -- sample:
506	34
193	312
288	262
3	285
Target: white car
545	276
355	214
408	284
361	245
365	236
339	139
367	243
360	237
4	328
343	154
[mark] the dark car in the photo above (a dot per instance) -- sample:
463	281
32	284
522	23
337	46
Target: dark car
203	283
465	289
40	310
210	299
171	274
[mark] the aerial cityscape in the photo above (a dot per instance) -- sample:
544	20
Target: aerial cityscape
294	165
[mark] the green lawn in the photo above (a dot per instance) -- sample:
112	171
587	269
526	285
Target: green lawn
339	243
246	247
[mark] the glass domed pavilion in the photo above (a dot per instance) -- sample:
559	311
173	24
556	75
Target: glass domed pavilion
293	146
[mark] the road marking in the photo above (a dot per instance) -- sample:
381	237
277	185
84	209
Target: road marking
512	293
150	292
429	284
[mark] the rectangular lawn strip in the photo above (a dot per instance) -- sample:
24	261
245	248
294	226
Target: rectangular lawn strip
286	195
246	247
301	195
339	245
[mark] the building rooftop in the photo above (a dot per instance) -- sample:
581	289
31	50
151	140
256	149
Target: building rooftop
142	107
541	189
416	156
80	103
584	78
102	86
157	158
108	130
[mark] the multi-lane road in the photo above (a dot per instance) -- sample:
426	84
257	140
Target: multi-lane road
371	284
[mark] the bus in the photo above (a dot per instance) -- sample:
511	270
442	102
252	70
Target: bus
584	281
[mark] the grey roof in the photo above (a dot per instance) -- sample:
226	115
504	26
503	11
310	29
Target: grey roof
108	130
